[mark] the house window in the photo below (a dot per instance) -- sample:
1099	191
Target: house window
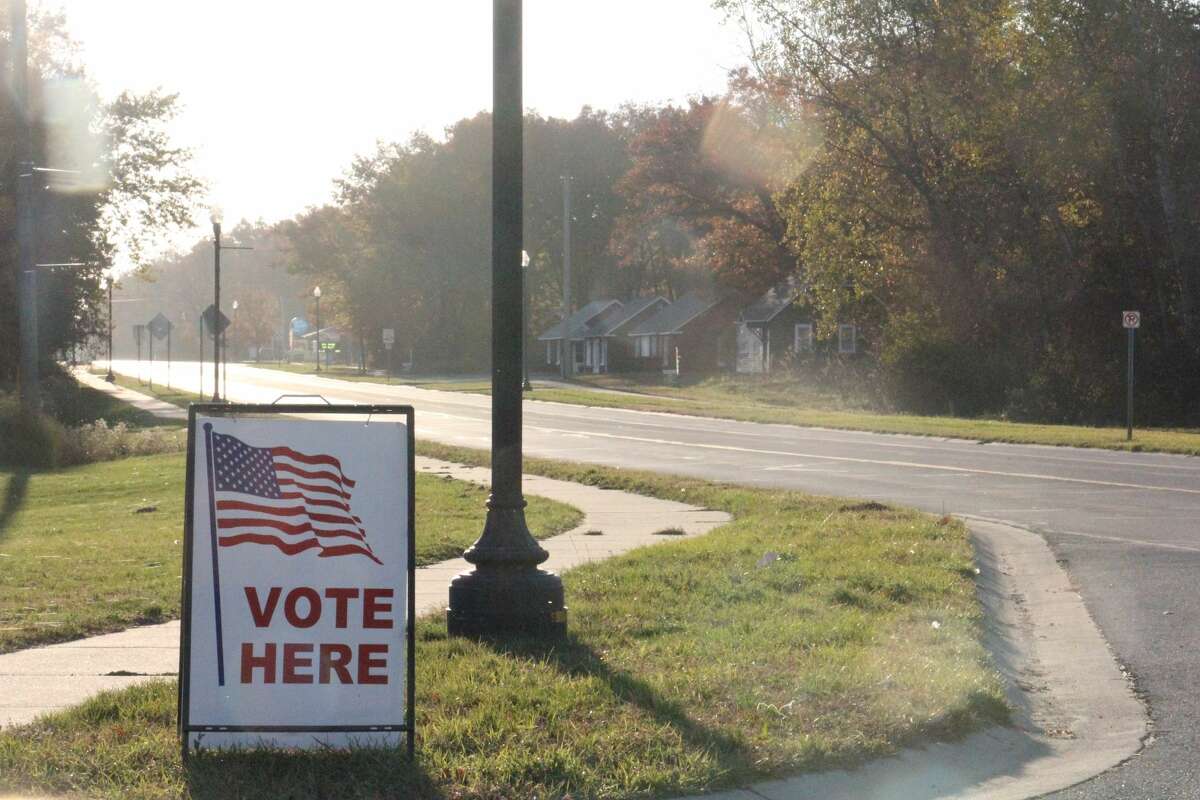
847	339
803	341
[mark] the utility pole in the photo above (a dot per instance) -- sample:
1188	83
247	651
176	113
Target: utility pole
215	217
566	347
26	276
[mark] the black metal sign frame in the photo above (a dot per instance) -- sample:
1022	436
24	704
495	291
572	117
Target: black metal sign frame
185	726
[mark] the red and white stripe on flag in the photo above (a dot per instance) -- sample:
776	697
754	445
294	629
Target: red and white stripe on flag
286	499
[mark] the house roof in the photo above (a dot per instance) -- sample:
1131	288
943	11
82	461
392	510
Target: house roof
577	325
772	302
611	326
672	318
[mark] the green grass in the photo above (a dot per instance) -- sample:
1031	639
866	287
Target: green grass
789	403
688	667
81	404
77	559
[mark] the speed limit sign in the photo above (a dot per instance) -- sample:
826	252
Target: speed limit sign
1131	319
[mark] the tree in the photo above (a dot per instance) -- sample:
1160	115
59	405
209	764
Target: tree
989	174
700	197
131	186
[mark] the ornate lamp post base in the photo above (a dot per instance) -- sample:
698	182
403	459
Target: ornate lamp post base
503	601
506	593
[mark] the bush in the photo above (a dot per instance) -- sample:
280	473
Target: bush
100	442
29	439
937	375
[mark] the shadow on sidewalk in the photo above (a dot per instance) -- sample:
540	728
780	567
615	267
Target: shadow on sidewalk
14	498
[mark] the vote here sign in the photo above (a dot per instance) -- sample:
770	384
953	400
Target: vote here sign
298	573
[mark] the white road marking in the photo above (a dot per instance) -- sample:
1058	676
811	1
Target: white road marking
1139	542
881	462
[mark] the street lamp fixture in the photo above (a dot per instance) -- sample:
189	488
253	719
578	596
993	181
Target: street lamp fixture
317	295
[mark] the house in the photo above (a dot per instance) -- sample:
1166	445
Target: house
696	329
774	326
573	332
606	346
779	325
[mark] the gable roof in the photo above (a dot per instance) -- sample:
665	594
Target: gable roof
577	325
772	302
637	307
672	318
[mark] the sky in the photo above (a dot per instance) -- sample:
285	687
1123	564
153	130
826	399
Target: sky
278	97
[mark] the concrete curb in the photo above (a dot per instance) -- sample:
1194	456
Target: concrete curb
1075	711
45	679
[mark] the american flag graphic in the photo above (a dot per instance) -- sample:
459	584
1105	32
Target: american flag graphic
283	498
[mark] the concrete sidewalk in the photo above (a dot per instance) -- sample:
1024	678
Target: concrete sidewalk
46	679
142	402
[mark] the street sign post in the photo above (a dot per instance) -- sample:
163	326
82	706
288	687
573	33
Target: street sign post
138	330
298	579
160	328
389	340
1131	320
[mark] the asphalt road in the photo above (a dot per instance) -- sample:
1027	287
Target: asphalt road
1125	525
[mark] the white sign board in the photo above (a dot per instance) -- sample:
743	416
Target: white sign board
1131	319
389	336
298	570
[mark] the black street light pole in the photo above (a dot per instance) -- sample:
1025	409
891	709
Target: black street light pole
506	593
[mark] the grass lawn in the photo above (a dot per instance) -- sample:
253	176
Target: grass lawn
78	405
691	665
788	403
76	557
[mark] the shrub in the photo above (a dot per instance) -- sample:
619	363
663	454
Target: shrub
27	438
30	439
100	442
931	374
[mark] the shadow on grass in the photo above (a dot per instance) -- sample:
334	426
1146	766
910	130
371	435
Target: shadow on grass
575	658
14	498
365	773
